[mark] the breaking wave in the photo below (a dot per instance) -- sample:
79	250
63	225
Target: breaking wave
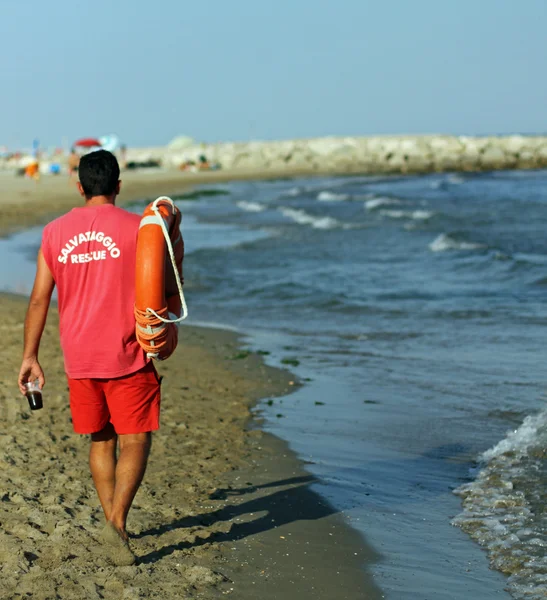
379	201
416	215
251	206
504	507
445	242
332	197
303	218
293	192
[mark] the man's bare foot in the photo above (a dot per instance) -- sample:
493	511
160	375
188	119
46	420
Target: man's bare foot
119	551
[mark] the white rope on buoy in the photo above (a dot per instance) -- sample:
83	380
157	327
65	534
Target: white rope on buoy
161	223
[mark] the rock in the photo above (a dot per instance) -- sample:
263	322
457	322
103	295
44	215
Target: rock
514	144
541	155
494	157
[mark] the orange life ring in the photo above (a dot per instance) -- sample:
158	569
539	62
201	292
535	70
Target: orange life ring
157	299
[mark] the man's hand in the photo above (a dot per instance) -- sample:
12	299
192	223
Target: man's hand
30	371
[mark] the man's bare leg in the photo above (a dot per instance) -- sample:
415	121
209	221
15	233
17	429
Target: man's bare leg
129	471
134	452
102	462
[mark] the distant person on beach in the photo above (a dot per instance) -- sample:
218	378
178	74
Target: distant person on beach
32	170
123	156
204	163
73	163
89	254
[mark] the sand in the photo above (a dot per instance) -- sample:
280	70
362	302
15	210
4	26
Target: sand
224	509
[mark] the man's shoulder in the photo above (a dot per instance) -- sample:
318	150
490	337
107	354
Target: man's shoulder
57	223
127	215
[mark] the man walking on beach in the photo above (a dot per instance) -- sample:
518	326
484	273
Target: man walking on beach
89	254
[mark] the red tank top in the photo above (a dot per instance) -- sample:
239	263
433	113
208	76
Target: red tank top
91	253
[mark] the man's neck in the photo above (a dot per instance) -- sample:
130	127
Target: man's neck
98	200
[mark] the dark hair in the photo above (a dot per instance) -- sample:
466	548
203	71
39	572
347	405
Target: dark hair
99	173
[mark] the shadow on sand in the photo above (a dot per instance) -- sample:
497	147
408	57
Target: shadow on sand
295	502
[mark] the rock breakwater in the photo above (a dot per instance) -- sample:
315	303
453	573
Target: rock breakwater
378	154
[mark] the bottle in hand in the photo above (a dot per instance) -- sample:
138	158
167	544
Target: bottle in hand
33	394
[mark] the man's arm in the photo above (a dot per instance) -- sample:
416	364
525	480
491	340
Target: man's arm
35	322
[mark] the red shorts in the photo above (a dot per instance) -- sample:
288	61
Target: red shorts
131	403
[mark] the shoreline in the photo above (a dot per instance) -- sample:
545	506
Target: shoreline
25	203
194	523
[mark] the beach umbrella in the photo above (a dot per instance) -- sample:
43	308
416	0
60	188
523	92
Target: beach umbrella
87	142
110	142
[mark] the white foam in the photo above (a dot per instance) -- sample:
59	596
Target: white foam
295	191
450	180
251	206
379	201
535	259
497	512
416	215
303	218
520	440
325	196
444	242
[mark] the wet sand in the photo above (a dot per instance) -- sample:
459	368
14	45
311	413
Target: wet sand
225	509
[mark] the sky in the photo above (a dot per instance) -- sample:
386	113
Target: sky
227	70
